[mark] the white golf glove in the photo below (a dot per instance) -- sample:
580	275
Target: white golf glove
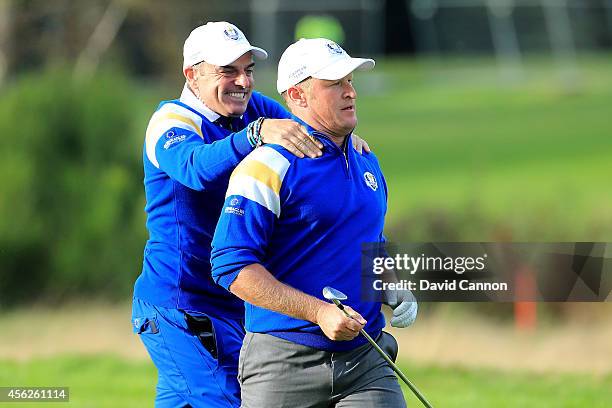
404	307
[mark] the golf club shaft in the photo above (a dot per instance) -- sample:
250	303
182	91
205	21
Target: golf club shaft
388	360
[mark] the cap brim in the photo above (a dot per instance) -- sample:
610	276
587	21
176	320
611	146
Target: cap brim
239	52
343	67
259	52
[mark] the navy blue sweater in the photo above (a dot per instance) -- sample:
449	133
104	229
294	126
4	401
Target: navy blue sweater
305	221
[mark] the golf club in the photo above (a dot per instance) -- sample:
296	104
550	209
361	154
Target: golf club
337	297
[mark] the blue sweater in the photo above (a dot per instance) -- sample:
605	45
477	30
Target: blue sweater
187	164
305	221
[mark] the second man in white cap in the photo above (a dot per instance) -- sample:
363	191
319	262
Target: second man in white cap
289	228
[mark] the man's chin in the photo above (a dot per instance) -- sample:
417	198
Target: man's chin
349	125
236	109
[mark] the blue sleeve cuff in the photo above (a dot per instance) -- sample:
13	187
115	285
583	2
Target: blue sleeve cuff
227	265
227	280
241	143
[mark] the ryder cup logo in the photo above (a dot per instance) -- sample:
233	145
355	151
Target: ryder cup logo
370	180
334	48
234	201
231	33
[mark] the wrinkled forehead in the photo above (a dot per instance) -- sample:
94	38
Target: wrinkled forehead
245	61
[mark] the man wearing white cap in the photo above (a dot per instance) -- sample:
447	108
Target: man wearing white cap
191	327
291	227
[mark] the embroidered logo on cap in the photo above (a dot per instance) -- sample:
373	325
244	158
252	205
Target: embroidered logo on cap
334	48
231	33
370	180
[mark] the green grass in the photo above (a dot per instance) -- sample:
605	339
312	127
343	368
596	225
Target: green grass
470	156
94	381
106	381
460	387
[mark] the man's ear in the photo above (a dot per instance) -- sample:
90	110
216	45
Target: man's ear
297	96
189	73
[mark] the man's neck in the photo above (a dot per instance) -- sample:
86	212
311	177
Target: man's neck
338	137
338	140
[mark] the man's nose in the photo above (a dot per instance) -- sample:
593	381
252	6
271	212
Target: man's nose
243	80
350	91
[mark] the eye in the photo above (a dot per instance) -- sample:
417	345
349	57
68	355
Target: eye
228	72
249	71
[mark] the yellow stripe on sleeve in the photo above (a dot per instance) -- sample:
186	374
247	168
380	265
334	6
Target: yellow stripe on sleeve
261	172
180	118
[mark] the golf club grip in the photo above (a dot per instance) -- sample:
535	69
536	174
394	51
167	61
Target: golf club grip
341	307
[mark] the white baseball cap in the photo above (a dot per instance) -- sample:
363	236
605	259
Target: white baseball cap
218	43
318	58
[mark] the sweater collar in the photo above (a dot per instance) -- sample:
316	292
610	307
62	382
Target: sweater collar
188	98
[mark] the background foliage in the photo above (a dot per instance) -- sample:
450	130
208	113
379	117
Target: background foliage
71	200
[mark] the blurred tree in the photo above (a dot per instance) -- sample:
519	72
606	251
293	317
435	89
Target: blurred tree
72	204
100	40
5	24
142	36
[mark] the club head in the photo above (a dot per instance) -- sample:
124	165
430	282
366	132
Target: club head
332	294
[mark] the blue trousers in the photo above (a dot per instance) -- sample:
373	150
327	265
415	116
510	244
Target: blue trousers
190	372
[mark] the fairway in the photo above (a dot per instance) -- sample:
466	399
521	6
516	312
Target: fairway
109	381
456	358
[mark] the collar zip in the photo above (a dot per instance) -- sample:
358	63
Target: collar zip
342	150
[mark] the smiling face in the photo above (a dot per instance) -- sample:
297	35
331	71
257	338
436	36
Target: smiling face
224	89
332	105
